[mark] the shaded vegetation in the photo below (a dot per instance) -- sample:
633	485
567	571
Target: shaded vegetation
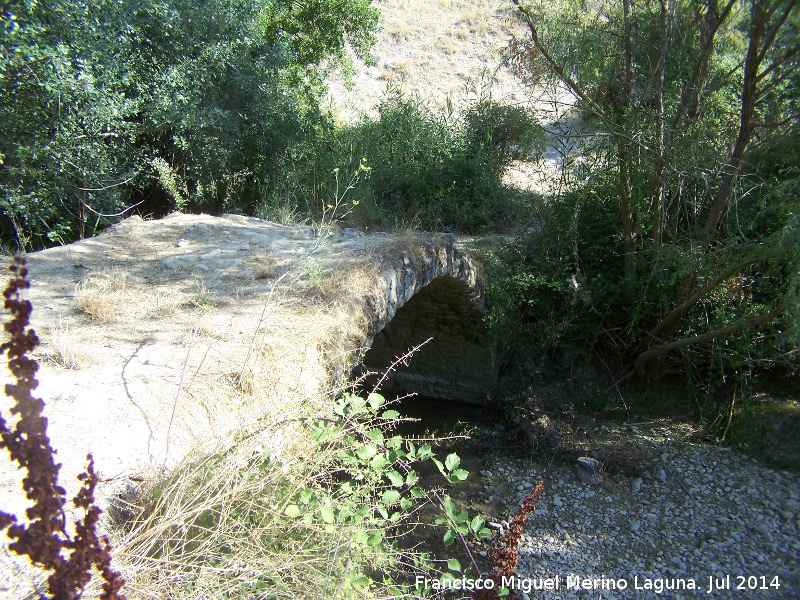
675	246
158	105
415	167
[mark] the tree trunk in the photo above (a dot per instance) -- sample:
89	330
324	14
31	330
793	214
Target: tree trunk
624	161
708	25
652	353
719	204
657	202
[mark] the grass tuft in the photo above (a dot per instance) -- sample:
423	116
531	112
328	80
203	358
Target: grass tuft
101	297
67	350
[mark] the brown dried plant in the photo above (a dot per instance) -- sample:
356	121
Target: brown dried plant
43	537
506	557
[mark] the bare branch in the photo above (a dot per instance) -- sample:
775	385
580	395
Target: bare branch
652	353
678	310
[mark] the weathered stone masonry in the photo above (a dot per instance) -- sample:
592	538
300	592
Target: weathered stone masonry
434	293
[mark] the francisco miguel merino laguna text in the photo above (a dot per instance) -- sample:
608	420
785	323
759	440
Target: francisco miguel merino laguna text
577	582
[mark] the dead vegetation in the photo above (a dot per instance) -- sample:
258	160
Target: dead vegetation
68	349
265	266
107	297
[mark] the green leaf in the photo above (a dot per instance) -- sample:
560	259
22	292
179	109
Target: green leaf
449	537
327	514
375	539
412	478
395	478
452	461
367	451
395	442
458	475
485	533
454	565
376	401
462	517
477	523
390	414
390	497
412	451
320	435
378	462
360	536
292	511
450	507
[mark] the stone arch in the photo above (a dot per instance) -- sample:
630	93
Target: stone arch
434	292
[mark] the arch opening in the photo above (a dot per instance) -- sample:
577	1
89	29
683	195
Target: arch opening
457	363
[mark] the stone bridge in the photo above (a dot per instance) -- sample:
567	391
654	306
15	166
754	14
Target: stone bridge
162	338
434	297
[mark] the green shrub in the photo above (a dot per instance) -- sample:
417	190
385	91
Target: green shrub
322	521
162	104
432	170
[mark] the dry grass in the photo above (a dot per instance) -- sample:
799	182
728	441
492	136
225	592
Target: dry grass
66	349
161	304
265	266
107	297
217	527
102	296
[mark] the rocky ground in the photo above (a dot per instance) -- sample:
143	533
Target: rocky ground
696	512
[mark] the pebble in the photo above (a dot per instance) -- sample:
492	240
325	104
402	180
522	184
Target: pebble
487	474
614	531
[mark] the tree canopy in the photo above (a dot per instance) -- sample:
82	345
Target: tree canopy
110	103
684	231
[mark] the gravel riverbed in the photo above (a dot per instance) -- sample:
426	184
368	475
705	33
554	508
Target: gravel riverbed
698	516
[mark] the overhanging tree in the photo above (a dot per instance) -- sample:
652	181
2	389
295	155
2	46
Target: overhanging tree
686	94
105	104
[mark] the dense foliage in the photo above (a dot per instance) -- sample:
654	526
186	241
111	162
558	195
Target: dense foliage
166	103
678	237
413	166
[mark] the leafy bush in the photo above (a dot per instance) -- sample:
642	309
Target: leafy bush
437	171
682	236
161	104
324	521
